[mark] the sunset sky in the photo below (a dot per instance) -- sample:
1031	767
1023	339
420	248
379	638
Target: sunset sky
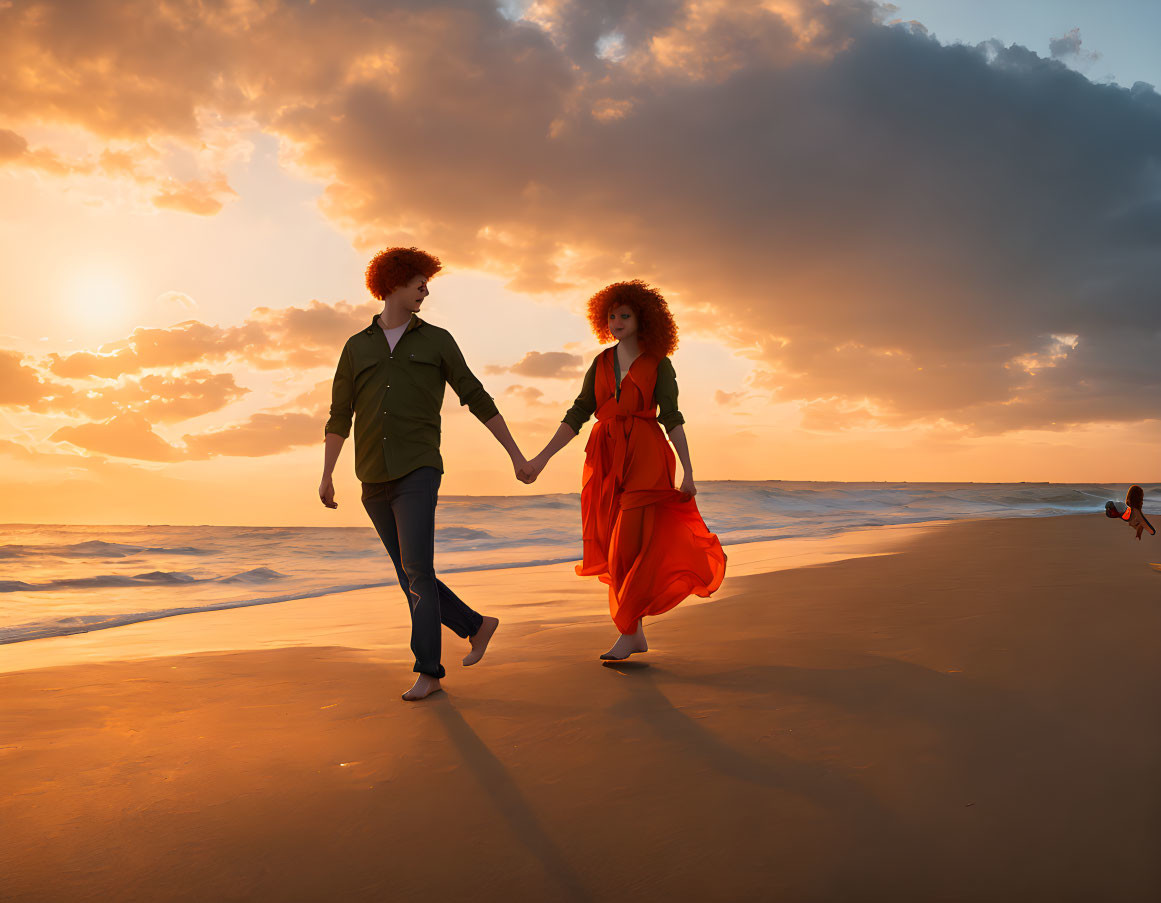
909	242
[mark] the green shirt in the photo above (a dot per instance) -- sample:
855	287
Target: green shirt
664	393
395	397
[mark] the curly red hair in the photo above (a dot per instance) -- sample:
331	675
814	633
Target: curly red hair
393	267
656	331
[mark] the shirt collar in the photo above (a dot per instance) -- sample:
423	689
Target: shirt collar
413	323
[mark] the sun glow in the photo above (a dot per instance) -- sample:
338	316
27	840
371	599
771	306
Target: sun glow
99	298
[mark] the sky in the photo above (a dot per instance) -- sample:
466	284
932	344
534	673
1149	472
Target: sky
911	242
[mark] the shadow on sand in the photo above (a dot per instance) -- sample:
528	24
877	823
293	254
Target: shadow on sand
509	801
971	743
651	706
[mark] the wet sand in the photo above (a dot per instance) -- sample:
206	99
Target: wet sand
972	718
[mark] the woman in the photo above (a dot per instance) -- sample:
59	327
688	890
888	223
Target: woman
642	536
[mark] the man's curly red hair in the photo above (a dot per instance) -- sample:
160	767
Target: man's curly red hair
393	267
656	331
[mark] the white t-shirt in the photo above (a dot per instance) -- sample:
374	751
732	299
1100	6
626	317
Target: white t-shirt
394	334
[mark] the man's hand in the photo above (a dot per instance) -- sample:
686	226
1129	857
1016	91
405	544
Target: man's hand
326	492
688	486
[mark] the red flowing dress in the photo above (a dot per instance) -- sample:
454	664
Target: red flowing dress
642	536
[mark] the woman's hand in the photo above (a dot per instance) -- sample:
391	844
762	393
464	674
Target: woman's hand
688	486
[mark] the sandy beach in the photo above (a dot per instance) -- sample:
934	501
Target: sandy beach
965	712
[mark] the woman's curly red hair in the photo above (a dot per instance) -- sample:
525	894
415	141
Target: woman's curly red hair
393	267
656	331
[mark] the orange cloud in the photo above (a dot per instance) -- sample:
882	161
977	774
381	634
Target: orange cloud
204	198
271	339
544	365
14	150
128	386
728	398
131	435
262	434
304	337
162	398
528	394
185	343
117	163
19	383
316	400
125	436
12	146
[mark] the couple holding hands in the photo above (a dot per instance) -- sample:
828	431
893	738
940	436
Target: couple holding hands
643	535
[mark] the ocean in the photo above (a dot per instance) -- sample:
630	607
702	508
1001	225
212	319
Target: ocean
58	579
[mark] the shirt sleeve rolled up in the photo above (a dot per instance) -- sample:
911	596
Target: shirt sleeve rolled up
342	397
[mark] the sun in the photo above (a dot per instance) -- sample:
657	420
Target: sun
99	297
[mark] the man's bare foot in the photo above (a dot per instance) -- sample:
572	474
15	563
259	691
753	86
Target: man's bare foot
424	686
480	640
627	644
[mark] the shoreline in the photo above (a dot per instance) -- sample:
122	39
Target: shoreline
290	621
971	718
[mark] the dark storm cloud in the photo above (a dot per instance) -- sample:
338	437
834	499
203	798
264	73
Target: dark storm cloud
901	225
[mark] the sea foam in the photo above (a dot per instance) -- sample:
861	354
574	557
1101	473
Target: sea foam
58	580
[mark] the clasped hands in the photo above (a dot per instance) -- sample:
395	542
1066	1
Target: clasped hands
527	471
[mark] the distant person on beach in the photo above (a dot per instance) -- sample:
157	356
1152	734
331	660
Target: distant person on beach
391	378
1132	515
642	535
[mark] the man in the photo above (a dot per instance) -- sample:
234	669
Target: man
391	377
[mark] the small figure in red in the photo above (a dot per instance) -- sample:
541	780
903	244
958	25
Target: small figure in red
1133	515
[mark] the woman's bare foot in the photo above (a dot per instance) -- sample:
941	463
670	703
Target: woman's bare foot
424	686
627	644
480	640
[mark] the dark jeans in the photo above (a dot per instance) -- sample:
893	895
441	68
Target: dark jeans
403	512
